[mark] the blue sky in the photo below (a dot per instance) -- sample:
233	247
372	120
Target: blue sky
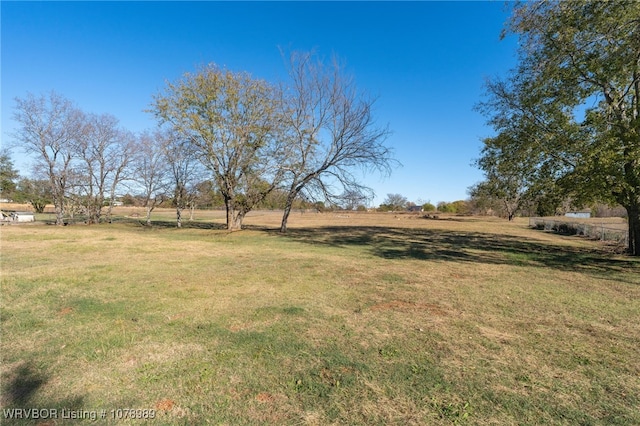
425	62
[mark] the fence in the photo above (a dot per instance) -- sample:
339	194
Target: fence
592	230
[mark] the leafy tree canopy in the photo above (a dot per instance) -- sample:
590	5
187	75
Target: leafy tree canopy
570	111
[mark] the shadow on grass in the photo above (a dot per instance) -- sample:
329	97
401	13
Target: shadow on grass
20	385
171	224
475	247
19	388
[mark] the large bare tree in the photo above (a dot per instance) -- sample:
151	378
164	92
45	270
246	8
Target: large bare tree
50	127
104	151
120	160
232	121
332	134
184	170
150	170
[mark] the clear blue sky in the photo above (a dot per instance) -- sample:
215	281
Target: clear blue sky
425	61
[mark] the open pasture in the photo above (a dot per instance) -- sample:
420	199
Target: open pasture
347	319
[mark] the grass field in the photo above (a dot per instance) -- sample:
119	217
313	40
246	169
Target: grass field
348	319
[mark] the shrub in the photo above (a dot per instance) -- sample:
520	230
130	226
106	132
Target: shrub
428	207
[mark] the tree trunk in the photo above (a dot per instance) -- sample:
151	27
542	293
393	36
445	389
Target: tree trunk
91	215
94	212
109	210
112	199
149	215
58	201
229	207
237	222
285	217
178	202
59	214
633	214
234	217
287	209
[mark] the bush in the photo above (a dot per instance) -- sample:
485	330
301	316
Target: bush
567	229
428	207
446	207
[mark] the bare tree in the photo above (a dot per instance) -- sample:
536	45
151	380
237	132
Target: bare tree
150	170
103	150
352	200
332	134
120	160
395	202
50	128
184	171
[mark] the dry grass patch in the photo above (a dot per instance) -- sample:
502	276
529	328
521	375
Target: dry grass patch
350	320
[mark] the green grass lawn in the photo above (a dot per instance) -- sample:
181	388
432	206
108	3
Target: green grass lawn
372	319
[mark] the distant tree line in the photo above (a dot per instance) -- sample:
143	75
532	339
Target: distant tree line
223	137
487	203
397	202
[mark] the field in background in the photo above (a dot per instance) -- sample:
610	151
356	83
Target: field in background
349	319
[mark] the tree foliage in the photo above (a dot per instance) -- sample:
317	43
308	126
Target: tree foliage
264	145
232	122
570	111
428	207
511	171
8	175
35	192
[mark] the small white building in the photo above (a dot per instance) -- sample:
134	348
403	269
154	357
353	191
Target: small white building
582	214
23	217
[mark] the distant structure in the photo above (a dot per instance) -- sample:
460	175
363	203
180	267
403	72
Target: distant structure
582	214
18	217
415	209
